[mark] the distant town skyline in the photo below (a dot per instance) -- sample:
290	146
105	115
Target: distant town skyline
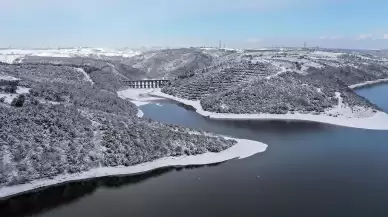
354	24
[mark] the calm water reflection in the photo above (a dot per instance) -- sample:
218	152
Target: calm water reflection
308	170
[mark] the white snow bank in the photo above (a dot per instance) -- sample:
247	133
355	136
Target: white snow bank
138	94
368	83
365	119
139	103
244	148
8	78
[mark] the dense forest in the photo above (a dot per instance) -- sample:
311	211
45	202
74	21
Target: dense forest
72	120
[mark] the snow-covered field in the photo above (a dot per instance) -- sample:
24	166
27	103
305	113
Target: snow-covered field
366	119
243	149
13	55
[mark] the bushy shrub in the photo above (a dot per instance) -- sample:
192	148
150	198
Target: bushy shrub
18	101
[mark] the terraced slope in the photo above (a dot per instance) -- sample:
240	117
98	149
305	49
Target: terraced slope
218	80
279	83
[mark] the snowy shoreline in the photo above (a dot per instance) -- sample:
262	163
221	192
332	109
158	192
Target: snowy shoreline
368	83
243	149
378	121
138	97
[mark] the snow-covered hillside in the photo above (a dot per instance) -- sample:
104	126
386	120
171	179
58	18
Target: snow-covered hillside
65	119
232	81
284	82
170	63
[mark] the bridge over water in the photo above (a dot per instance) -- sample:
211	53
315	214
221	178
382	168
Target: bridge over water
147	83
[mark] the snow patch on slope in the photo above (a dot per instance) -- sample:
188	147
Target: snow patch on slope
87	77
9	97
282	70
